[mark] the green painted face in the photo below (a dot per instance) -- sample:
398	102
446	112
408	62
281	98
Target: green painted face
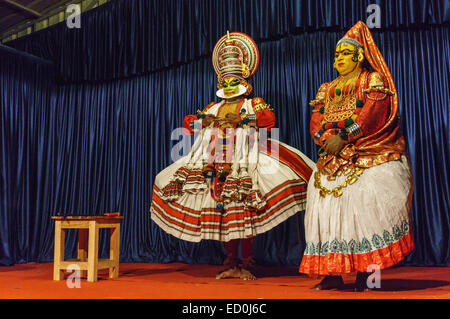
230	86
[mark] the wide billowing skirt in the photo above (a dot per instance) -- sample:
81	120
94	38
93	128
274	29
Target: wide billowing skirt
368	225
282	173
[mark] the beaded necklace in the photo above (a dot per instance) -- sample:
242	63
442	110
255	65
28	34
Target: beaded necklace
341	106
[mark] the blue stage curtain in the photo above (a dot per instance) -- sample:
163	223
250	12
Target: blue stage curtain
93	140
27	144
124	38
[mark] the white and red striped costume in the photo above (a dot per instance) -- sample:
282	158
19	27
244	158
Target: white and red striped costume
266	184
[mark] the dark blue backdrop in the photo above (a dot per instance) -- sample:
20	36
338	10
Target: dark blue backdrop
89	134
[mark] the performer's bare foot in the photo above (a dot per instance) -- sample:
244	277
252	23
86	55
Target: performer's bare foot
246	275
330	282
234	272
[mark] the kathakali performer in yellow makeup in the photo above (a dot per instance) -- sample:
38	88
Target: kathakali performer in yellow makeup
234	184
358	200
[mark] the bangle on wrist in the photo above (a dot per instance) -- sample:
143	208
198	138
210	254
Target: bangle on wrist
354	131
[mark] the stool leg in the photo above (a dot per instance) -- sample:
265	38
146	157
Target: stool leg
114	251
82	248
93	252
60	237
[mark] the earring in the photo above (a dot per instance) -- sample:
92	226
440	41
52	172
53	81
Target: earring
360	55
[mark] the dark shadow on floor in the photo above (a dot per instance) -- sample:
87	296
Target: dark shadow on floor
277	271
394	285
411	284
260	271
148	272
18	267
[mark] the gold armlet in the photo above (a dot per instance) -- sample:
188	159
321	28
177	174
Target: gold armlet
262	106
386	92
379	89
315	102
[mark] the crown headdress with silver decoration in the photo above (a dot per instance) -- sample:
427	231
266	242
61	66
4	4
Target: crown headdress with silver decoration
351	41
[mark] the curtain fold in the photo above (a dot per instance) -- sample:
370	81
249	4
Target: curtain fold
86	147
27	144
125	38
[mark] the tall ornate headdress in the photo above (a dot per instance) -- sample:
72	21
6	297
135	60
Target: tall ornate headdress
359	35
235	55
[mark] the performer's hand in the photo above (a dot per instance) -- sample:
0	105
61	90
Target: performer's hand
208	119
233	118
334	145
252	123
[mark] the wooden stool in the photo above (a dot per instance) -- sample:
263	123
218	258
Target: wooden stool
87	225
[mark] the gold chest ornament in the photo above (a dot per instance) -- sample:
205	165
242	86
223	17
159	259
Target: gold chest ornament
340	109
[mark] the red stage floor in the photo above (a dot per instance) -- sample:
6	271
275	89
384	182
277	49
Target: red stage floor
182	281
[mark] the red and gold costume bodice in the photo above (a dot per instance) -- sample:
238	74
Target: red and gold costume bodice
367	104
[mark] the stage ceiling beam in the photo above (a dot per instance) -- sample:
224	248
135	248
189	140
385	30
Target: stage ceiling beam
23	8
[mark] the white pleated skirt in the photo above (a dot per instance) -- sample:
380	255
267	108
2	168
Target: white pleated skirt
368	225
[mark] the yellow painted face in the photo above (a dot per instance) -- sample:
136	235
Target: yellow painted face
344	58
230	86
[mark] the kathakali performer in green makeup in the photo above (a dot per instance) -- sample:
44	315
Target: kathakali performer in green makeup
234	184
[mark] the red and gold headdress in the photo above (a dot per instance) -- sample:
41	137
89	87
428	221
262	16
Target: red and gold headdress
389	136
235	55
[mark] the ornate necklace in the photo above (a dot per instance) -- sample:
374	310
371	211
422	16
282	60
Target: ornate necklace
340	109
339	113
